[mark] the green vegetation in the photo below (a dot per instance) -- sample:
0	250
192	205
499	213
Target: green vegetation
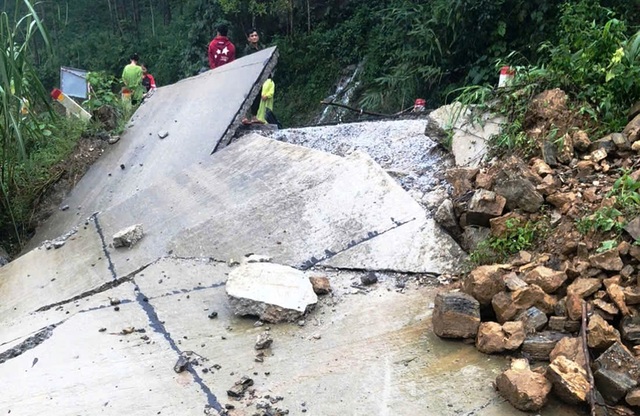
517	237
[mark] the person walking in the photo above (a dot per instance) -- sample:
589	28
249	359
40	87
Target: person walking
253	42
221	51
132	79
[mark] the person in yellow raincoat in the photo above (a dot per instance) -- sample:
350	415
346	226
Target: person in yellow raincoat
266	102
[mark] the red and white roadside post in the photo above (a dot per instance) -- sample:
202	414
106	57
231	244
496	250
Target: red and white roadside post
506	76
71	106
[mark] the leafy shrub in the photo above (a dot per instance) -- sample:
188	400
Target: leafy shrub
517	237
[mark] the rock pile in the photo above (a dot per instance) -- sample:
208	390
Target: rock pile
572	306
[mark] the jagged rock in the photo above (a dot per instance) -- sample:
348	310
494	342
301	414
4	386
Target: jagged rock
635	147
507	305
494	338
456	315
598	155
524	389
630	328
539	346
632	295
606	307
581	140
585	168
540	167
616	372
608	260
633	398
570	348
565	153
263	341
522	258
484	282
601	335
484	180
461	179
563	324
583	287
518	191
549	280
632	129
513	282
446	216
273	292
633	228
606	144
472	236
562	200
616	294
239	387
533	318
620	140
129	236
320	284
501	225
570	382
483	206
573	306
548	186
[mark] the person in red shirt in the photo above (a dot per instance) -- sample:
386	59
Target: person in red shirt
148	82
221	50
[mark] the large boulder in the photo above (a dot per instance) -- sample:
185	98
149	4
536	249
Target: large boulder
524	389
272	292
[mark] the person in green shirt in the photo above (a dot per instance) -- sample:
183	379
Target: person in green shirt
132	79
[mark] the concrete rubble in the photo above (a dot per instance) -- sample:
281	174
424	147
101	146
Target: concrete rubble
272	292
156	329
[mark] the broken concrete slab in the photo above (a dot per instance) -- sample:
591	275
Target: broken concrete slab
299	222
272	292
184	110
42	278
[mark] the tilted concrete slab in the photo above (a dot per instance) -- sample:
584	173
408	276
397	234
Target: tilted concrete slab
44	277
297	205
199	113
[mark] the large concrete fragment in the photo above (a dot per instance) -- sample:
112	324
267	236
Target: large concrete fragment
299	206
273	292
199	114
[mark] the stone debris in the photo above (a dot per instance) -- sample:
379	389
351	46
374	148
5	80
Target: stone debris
456	315
128	237
263	341
547	288
162	134
273	292
239	387
526	390
369	279
320	284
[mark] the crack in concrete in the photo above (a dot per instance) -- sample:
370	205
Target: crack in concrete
370	236
158	326
112	267
102	288
29	343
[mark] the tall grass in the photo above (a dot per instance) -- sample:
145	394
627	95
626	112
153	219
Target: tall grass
23	99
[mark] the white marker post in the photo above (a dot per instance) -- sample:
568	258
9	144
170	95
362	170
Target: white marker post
506	76
71	106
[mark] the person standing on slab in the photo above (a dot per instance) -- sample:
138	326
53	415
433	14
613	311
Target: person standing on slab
221	51
253	42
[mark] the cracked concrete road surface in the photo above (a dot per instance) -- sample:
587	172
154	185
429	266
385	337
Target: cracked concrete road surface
90	329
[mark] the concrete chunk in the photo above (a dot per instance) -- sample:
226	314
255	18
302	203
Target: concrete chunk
273	292
128	237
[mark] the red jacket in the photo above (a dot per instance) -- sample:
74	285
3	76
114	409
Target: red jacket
221	51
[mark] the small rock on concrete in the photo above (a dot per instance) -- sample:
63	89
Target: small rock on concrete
240	386
263	341
181	364
369	279
320	284
129	236
524	389
494	338
456	315
162	134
